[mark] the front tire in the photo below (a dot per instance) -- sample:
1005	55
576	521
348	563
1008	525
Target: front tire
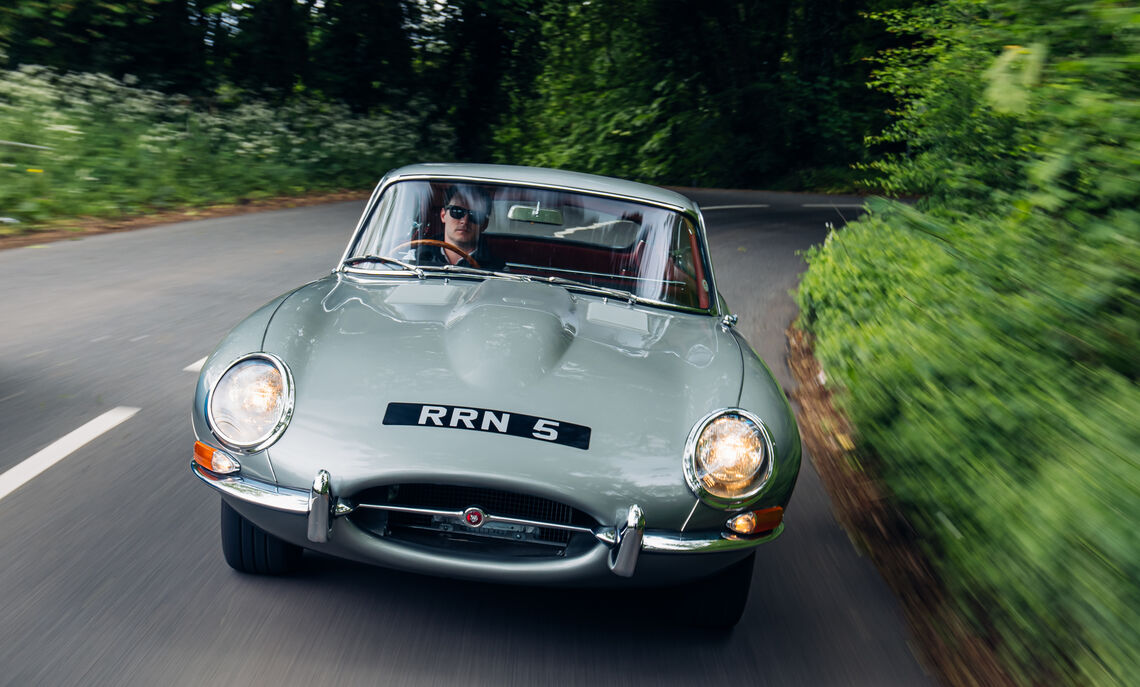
727	592
249	549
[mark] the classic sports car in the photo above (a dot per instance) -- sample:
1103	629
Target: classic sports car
513	374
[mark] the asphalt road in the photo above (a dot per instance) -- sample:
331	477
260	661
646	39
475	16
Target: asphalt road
110	565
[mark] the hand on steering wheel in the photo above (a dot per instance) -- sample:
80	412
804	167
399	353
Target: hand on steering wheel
442	244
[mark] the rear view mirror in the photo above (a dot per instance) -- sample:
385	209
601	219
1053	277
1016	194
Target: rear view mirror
539	214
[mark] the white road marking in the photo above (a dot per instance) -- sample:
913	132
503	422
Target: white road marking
731	207
195	366
139	338
99	338
9	397
23	473
832	205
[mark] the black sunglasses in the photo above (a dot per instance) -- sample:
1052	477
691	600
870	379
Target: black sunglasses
458	212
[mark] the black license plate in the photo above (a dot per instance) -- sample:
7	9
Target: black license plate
486	420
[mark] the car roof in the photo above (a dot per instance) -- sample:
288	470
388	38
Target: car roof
541	176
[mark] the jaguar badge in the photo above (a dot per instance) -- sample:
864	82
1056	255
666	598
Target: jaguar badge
474	517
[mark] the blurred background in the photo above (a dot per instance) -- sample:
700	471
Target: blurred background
981	337
151	103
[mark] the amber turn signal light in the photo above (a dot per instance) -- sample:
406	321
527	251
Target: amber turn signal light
757	521
214	460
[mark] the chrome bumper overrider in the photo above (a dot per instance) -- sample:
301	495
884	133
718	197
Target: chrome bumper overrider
626	540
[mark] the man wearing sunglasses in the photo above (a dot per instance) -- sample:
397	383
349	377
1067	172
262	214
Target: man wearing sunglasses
464	216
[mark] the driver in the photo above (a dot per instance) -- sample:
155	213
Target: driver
464	216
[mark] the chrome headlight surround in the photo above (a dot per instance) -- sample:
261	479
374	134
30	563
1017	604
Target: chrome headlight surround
760	477
284	410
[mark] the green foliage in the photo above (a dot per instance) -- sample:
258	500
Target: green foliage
988	341
118	149
162	42
698	93
732	93
601	105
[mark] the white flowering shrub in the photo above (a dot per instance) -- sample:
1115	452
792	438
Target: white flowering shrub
94	145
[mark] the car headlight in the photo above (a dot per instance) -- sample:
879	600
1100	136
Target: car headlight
728	458
251	403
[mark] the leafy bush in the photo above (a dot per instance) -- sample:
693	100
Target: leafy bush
988	341
119	149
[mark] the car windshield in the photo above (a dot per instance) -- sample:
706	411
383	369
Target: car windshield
623	247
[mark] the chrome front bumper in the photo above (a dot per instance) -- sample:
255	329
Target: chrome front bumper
626	539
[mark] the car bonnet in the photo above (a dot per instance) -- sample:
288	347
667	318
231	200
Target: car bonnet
368	355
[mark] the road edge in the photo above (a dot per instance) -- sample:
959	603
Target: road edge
861	504
80	227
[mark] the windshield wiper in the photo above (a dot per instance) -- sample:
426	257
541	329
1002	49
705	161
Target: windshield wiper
420	272
459	269
598	290
481	272
619	294
383	259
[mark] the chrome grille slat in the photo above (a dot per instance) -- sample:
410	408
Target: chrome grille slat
491	517
428	528
421	506
508	504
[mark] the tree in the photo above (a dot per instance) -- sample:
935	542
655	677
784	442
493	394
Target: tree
161	42
268	46
479	56
362	52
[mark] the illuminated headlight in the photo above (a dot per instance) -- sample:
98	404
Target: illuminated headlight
728	458
251	403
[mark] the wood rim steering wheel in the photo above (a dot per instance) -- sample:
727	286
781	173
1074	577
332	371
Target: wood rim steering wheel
442	244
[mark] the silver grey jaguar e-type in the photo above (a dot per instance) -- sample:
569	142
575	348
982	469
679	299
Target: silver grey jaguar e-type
514	374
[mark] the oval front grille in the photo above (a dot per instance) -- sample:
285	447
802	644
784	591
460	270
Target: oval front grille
434	529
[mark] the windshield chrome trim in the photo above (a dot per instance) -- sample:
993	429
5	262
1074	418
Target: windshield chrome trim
693	215
467	178
710	276
363	218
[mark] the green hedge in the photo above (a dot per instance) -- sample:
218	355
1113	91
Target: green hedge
987	342
118	149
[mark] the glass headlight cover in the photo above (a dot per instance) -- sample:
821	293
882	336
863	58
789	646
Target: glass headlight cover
728	458
251	403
